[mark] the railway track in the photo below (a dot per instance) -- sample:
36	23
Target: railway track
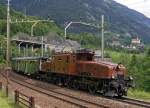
135	102
61	96
83	103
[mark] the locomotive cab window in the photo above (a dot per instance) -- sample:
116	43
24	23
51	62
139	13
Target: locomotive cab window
59	59
85	56
67	59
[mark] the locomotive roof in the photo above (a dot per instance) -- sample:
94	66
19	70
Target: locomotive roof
30	58
85	51
108	63
102	63
70	53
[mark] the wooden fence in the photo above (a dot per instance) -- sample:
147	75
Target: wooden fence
27	101
21	98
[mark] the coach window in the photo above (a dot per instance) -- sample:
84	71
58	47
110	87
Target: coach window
84	56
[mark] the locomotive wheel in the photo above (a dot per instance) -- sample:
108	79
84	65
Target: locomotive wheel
69	84
104	90
76	85
58	81
120	94
92	89
110	92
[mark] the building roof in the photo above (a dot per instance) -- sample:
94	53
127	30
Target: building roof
29	58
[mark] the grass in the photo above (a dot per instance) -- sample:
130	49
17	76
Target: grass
6	102
139	94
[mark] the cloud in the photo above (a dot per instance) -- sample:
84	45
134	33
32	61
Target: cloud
142	6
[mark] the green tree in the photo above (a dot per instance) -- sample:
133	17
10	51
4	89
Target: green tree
148	52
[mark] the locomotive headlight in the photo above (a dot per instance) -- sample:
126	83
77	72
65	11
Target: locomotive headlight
113	77
130	78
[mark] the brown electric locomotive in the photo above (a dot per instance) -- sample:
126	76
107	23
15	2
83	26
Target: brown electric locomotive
79	70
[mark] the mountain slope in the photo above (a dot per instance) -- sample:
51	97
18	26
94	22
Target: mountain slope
118	18
41	28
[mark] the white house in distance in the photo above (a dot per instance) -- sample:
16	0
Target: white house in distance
136	41
136	44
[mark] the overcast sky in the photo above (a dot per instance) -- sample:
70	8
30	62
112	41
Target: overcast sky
142	6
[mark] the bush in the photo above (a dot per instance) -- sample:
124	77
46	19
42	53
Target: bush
139	94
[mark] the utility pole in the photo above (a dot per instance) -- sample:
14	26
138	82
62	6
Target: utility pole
102	41
42	46
19	49
33	27
8	34
66	29
65	33
8	69
26	50
83	23
35	23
